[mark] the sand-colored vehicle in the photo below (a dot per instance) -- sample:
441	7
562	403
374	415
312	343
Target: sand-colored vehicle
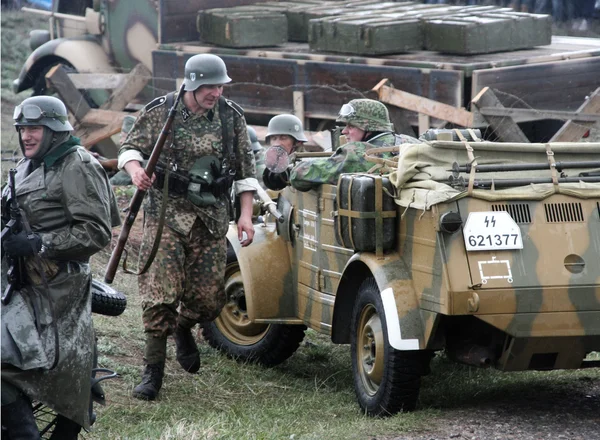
487	251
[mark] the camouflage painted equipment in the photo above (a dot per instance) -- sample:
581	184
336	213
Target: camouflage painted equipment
205	69
47	111
256	146
288	125
366	114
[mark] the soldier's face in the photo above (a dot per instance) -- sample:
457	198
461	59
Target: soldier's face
31	136
353	134
283	140
207	96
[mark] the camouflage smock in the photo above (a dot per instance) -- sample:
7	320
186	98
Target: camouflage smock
349	158
193	136
70	204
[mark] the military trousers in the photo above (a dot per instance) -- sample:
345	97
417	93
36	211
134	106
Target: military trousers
186	277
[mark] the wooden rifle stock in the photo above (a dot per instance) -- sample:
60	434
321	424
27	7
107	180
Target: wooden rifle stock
138	196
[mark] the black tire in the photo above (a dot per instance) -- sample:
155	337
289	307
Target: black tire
386	381
106	300
235	335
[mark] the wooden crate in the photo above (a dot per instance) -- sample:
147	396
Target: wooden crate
244	28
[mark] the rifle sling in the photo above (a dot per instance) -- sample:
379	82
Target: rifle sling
163	208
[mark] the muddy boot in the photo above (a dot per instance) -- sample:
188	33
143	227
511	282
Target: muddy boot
17	418
152	377
188	355
65	429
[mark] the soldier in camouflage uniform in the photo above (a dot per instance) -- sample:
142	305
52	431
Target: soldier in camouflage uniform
185	284
368	125
65	195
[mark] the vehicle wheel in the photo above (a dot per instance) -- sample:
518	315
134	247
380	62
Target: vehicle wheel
386	380
106	300
235	335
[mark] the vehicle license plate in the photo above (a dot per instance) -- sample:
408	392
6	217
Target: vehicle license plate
485	231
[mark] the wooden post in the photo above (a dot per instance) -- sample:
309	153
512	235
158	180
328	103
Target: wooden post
572	131
504	126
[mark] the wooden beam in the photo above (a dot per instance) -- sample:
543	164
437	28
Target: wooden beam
573	131
90	137
98	80
529	114
504	126
426	106
137	79
103	117
57	79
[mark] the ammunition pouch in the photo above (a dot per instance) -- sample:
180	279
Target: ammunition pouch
201	179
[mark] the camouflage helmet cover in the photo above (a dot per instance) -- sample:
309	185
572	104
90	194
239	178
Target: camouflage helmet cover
204	69
47	111
288	125
366	114
253	139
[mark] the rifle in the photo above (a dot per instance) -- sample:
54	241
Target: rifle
16	265
138	196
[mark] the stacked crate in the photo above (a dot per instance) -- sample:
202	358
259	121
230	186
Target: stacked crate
374	27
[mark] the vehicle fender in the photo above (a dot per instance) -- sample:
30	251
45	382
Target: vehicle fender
84	53
267	273
405	326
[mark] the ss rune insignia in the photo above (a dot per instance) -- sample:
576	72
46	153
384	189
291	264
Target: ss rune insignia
193	76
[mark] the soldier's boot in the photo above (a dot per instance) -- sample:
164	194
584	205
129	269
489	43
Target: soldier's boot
188	355
18	419
152	377
65	429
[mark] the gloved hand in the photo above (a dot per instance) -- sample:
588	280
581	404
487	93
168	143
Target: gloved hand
222	184
18	245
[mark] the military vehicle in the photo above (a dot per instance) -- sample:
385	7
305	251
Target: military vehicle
113	36
494	261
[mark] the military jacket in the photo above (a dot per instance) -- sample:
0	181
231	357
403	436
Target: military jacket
69	202
193	136
259	157
349	158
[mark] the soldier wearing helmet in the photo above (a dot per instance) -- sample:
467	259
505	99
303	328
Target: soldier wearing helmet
65	196
368	125
259	155
210	153
284	131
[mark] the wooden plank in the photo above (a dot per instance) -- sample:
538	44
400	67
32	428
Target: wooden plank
425	106
98	80
103	117
89	137
504	126
528	113
135	83
573	131
57	79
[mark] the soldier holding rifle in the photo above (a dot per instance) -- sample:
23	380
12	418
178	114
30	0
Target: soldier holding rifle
60	210
207	152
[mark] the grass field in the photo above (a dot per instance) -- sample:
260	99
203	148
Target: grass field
310	396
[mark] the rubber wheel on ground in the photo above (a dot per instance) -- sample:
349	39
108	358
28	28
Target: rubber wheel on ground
386	380
235	335
106	300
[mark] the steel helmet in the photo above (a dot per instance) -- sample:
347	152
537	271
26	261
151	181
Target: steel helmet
47	111
366	114
204	69
286	124
256	146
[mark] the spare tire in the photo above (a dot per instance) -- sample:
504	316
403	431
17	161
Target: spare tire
106	300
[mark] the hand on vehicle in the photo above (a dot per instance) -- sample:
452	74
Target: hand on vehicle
19	245
244	224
